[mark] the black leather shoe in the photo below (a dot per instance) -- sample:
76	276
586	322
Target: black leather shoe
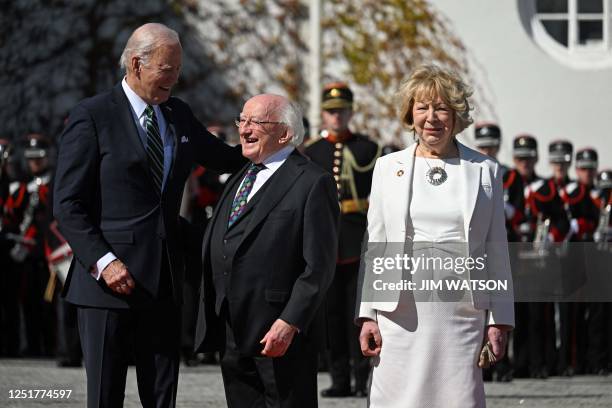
336	392
360	393
67	363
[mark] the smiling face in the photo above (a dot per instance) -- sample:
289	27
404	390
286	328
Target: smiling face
434	122
260	141
153	81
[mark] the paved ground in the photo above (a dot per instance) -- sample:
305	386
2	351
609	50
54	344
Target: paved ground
202	387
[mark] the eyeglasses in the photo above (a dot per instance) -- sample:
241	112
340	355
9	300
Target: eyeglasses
242	122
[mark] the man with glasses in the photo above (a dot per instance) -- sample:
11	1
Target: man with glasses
350	158
268	259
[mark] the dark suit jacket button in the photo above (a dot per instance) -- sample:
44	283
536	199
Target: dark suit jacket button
224	257
225	241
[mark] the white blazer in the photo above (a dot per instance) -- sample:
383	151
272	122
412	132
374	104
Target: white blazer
483	209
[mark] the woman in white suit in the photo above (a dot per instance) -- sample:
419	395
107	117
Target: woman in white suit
435	199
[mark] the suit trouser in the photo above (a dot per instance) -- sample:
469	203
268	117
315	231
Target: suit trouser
110	337
343	333
289	381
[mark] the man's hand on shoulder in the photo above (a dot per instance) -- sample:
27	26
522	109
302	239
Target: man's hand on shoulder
117	278
278	339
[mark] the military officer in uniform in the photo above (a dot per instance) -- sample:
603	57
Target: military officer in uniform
350	157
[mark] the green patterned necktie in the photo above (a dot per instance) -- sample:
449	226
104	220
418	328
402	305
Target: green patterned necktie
155	147
240	201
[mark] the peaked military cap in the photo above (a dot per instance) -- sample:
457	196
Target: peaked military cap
337	95
487	134
560	151
586	159
525	146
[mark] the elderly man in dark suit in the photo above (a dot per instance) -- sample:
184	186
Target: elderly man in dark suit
269	257
123	160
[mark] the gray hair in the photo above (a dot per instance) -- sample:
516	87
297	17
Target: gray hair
144	41
291	115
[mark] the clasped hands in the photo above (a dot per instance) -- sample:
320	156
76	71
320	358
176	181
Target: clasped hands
117	278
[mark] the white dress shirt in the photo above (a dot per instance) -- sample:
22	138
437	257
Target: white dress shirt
272	164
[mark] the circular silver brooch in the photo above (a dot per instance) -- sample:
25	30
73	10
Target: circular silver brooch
436	176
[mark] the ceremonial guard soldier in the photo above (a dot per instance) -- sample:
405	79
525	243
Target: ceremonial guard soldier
603	242
560	158
581	198
350	157
535	213
28	205
9	306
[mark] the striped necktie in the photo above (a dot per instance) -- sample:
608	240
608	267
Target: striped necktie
240	201
155	148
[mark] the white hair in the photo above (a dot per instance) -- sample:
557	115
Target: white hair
291	115
144	40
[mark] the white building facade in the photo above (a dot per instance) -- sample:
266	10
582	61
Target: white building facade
542	67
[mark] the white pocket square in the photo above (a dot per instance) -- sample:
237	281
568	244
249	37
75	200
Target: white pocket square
184	139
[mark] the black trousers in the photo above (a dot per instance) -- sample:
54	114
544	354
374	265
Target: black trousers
9	303
534	339
111	337
261	382
597	347
572	330
39	318
344	345
68	342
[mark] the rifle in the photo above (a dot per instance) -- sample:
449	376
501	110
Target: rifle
602	232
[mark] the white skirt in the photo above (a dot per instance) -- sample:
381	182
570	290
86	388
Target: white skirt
429	356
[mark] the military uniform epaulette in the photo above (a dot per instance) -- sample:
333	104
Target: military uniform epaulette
13	187
542	190
36	182
573	193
